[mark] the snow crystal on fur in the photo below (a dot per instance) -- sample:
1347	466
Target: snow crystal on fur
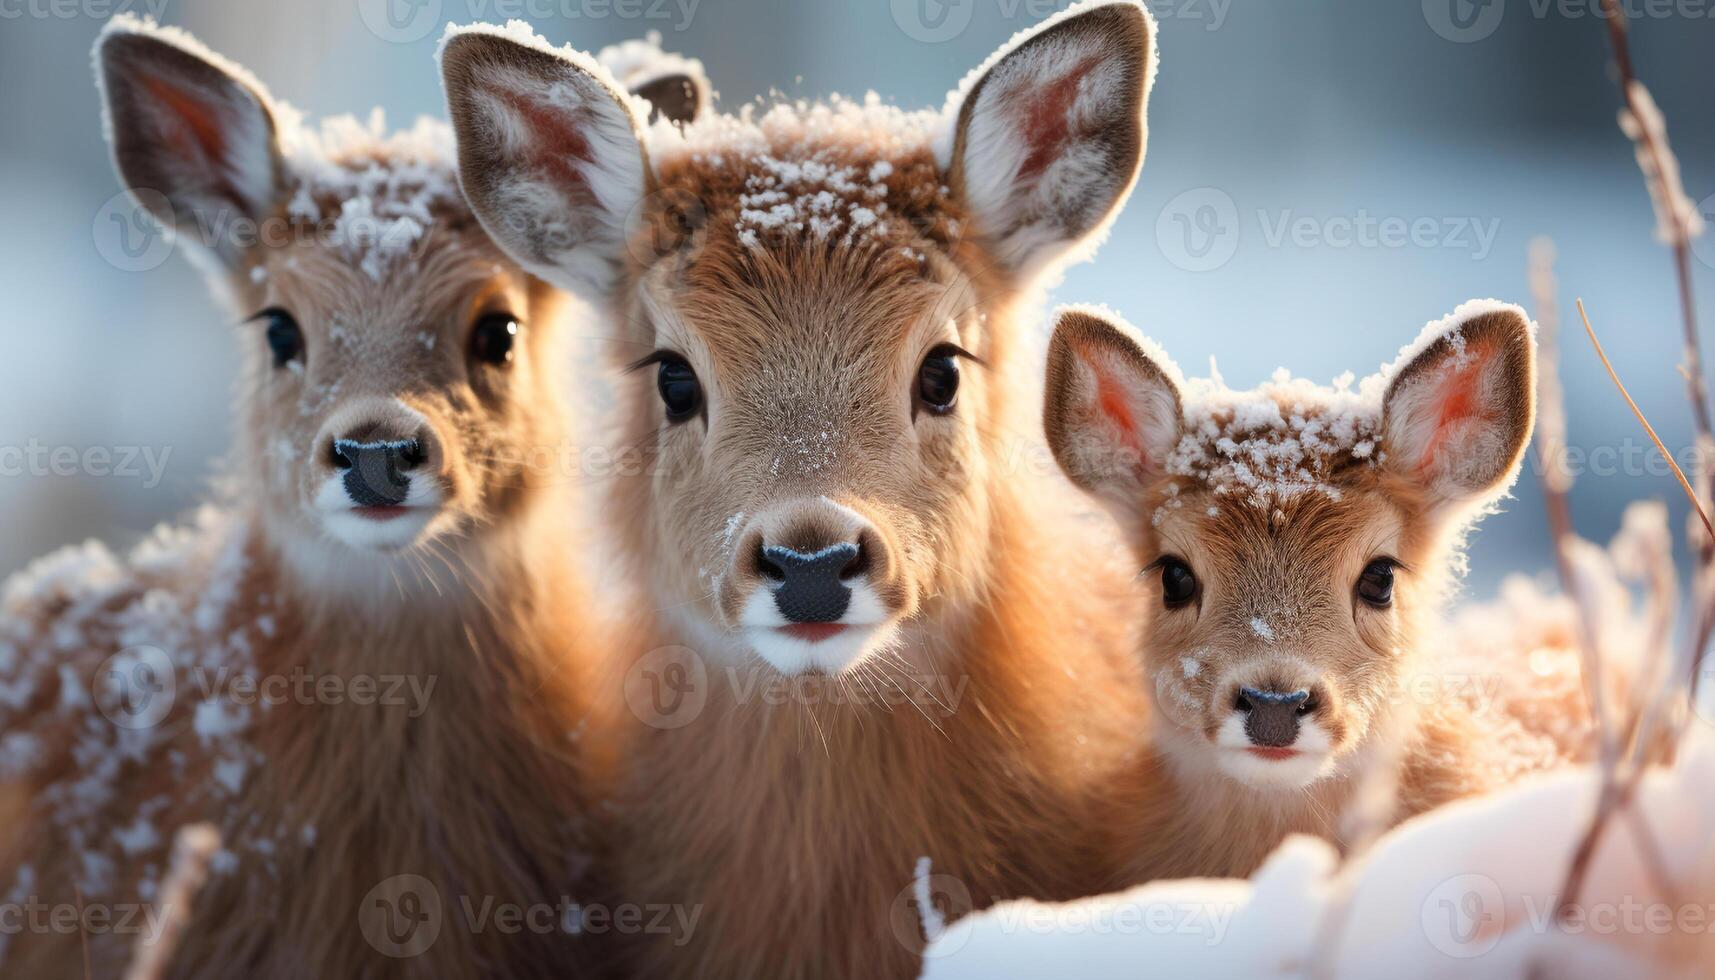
165	606
1291	436
816	170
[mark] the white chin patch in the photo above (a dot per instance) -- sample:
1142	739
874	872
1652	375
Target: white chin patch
828	648
1312	758
418	519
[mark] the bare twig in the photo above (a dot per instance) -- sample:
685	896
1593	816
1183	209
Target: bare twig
1650	429
1617	793
192	849
1557	484
1678	223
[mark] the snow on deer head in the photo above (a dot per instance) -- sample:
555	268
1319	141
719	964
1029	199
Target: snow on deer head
1296	534
400	367
816	300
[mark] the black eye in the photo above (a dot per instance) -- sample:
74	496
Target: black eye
492	340
1375	585
284	337
938	380
1178	584
680	390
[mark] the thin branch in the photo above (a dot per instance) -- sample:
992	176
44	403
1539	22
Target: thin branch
1617	794
1684	484
1643	124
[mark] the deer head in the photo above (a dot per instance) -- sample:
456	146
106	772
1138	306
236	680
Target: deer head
814	302
399	368
1296	535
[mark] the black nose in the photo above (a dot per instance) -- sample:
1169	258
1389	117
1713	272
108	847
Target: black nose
1271	717
375	472
812	587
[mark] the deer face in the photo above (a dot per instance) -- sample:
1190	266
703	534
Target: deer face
397	362
814	306
1294	535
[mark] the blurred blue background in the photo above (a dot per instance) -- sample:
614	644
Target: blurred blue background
1470	129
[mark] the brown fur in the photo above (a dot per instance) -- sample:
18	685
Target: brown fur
793	825
1276	606
486	787
752	810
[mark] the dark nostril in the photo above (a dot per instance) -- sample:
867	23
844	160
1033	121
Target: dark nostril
766	568
337	458
1310	705
411	455
858	566
1241	703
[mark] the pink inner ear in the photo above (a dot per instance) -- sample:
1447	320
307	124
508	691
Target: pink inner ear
1457	400
556	137
1048	117
1116	408
201	135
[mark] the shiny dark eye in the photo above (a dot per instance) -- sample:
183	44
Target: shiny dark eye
284	337
494	337
1178	584
938	380
1375	585
680	391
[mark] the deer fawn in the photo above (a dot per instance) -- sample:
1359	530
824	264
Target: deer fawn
370	667
1298	540
819	305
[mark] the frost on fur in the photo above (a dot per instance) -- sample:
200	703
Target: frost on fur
1452	412
1040	148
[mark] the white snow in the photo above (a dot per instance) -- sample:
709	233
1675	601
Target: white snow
1466	891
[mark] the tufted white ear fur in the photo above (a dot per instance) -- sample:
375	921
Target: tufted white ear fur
193	135
549	152
1113	408
1461	401
1050	133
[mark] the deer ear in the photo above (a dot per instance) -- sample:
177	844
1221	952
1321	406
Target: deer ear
193	136
1050	132
676	87
1461	401
549	153
1113	408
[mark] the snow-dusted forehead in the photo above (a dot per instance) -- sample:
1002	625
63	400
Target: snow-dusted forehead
839	170
373	195
1283	439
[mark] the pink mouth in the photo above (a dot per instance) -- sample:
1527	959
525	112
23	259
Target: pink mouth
813	632
380	513
1274	755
